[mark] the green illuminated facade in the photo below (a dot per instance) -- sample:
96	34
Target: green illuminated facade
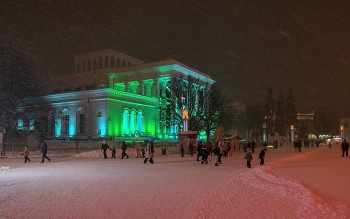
113	96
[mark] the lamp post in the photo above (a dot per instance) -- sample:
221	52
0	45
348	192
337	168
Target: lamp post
264	133
292	133
341	129
2	132
185	119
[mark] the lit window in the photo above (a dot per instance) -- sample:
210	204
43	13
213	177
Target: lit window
99	114
82	123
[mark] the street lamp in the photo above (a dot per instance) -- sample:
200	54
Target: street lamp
2	132
341	129
292	132
264	133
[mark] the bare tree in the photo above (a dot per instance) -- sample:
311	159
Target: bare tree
217	111
186	92
21	96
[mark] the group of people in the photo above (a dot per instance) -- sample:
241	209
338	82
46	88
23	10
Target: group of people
222	149
250	151
298	144
106	147
43	148
148	154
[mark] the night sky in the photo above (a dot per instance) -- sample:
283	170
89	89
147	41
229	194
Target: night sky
246	46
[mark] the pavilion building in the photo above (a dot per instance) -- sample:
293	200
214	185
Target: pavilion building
112	95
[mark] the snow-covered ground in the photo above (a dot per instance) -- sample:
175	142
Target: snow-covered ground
310	184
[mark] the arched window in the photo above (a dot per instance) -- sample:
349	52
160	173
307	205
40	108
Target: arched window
80	120
100	63
129	63
84	66
123	64
65	115
118	63
153	89
106	62
89	65
112	62
132	122
78	67
94	67
126	121
138	89
139	121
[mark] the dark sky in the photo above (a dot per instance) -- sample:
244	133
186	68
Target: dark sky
246	46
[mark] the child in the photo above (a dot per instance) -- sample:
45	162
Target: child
113	152
26	154
248	156
262	155
205	153
143	152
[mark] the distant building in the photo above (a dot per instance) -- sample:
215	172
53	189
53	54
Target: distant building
112	95
344	127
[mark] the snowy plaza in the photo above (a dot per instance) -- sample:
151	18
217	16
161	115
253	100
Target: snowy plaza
310	184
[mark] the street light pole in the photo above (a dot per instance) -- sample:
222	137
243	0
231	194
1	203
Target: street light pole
2	132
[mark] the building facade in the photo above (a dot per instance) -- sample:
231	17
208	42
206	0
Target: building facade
112	95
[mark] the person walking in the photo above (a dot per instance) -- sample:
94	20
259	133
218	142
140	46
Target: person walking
149	153
205	154
216	151
329	144
249	157
104	147
182	150
138	150
299	145
224	150
262	156
345	147
199	150
318	143
295	145
113	152
221	149
190	147
26	154
253	146
124	150
44	152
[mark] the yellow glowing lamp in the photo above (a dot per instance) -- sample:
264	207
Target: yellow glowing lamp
185	114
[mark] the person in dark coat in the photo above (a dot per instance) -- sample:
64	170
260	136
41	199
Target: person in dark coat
190	147
216	151
295	145
205	154
143	152
318	143
182	150
124	151
26	154
262	156
299	145
253	146
345	147
104	147
249	157
199	150
113	152
44	152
